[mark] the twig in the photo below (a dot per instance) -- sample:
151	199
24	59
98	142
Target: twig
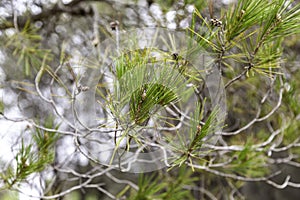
257	119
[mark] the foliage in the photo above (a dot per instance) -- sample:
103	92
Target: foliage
25	45
165	187
250	45
33	157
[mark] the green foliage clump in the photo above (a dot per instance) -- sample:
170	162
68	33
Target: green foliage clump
164	188
26	47
33	157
